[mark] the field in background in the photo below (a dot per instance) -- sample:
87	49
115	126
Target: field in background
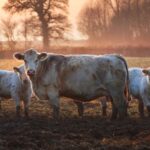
132	62
128	51
92	132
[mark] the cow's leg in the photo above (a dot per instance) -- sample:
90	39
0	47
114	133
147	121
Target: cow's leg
17	101
114	112
120	103
80	107
0	103
141	108
104	106
148	110
54	101
26	107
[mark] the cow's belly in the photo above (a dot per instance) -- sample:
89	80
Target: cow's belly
5	92
84	90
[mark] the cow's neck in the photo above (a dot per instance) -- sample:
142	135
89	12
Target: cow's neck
34	82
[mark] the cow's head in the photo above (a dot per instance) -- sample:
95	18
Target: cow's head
146	72
21	72
31	59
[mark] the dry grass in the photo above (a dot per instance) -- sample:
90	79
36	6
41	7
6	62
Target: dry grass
8	64
138	61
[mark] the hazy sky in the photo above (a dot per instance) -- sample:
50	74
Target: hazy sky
74	7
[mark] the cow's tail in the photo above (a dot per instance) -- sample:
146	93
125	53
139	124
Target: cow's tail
127	89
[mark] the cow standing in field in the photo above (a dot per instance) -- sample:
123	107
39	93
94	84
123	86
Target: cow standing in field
140	87
82	77
16	85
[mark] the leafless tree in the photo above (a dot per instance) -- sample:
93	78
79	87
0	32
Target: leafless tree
48	11
93	19
118	20
30	28
8	29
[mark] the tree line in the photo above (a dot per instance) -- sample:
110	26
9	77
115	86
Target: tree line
116	21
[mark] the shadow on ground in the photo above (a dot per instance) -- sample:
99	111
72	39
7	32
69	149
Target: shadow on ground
91	132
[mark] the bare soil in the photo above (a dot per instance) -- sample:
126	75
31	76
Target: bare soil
70	132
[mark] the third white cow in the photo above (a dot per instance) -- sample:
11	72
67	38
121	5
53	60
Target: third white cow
140	87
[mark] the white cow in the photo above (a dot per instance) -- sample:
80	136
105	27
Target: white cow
16	85
82	77
140	87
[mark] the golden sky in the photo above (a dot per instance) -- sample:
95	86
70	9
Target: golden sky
74	8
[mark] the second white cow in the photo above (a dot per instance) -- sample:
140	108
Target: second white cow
140	87
16	85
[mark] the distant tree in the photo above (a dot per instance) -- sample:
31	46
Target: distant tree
132	22
52	15
120	21
93	19
29	23
8	30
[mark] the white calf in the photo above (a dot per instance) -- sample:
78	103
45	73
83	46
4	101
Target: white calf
16	85
140	87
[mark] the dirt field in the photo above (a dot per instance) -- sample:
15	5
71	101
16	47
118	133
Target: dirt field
92	132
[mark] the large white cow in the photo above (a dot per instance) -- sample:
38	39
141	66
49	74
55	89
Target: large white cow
16	85
82	77
140	87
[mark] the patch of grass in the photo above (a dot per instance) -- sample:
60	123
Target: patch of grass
8	64
143	62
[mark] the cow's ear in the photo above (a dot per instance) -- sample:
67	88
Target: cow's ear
19	56
42	56
145	71
16	69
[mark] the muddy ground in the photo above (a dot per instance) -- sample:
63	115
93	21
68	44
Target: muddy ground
92	132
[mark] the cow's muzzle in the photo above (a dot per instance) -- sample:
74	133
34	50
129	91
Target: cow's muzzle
31	73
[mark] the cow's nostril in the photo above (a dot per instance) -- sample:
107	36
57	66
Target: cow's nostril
30	72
